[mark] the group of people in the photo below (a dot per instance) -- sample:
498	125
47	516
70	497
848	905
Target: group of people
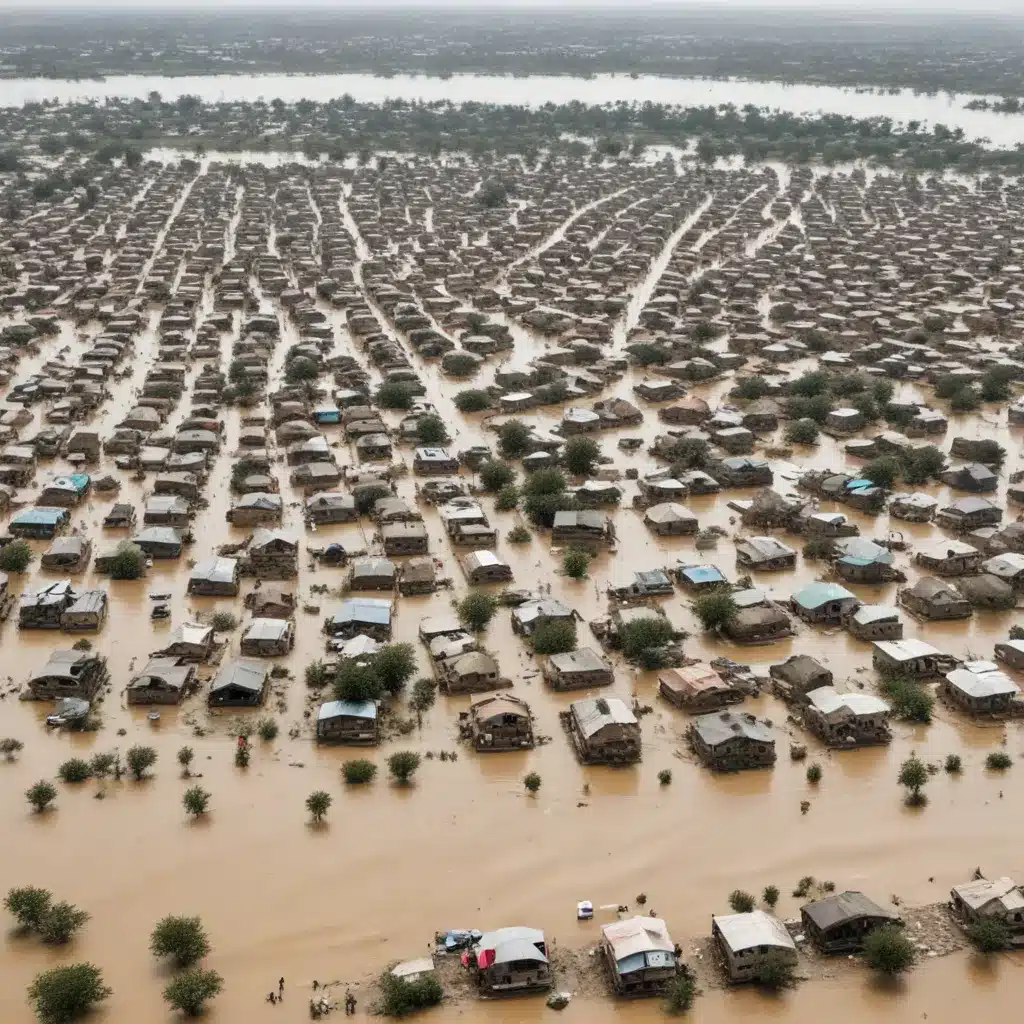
317	1007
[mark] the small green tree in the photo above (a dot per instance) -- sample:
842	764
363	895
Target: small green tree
318	803
802	432
770	895
580	455
394	395
680	993
395	665
953	764
519	534
814	773
889	951
476	610
10	748
774	972
400	998
472	400
60	922
128	562
403	765
575	563
908	699
741	902
180	938
41	795
29	905
883	471
432	430
196	801
102	764
267	728
73	770
317	675
644	635
66	993
507	500
357	681
223	622
998	761
913	776
16	556
359	772
424	693
513	439
140	760
532	782
496	475
190	991
716	610
186	755
989	935
555	636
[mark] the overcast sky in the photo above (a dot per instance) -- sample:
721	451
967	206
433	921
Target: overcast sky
853	6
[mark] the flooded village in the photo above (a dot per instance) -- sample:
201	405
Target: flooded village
575	583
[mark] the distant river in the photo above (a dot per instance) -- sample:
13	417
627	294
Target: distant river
1001	129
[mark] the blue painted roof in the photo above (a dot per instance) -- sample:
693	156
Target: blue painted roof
703	574
349	708
816	594
43	515
365	609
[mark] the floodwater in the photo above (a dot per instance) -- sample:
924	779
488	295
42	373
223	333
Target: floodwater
465	846
903	106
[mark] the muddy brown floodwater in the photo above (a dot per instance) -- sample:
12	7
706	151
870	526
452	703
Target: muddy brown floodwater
465	846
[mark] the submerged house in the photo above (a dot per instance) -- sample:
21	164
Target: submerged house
840	923
68	554
255	508
162	681
603	730
697	688
910	657
512	960
484	566
500	722
980	688
273	554
87	612
935	599
585	528
192	641
348	721
39	523
404	538
847	719
214	577
748	941
471	672
758	619
372	574
969	514
823	603
874	622
369	615
764	554
950	558
44	608
268	638
795	677
576	670
330	507
640	955
159	541
859	560
670	519
239	684
991	899
68	674
729	741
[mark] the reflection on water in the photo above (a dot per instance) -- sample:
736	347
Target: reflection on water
904	106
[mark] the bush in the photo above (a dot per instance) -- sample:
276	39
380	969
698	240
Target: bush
472	400
128	563
575	563
882	472
647	355
811	384
60	923
10	748
965	400
476	610
16	556
432	430
28	905
139	759
394	396
368	495
223	622
243	752
580	455
102	764
913	776
395	665
424	693
770	895
688	453
555	636
74	769
66	993
751	387
540	509
513	439
185	757
888	950
814	773
358	773
267	728
41	795
519	534
300	369
802	432
544	483
317	675
196	801
921	464
399	998
643	635
680	993
909	700
508	498
665	776
775	972
989	935
318	803
495	475
180	938
403	765
532	782
741	902
998	761
357	681
460	364
190	990
715	610
995	384
953	765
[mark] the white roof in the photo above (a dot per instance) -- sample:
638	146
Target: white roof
638	935
906	650
827	701
746	931
982	684
979	893
1008	564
